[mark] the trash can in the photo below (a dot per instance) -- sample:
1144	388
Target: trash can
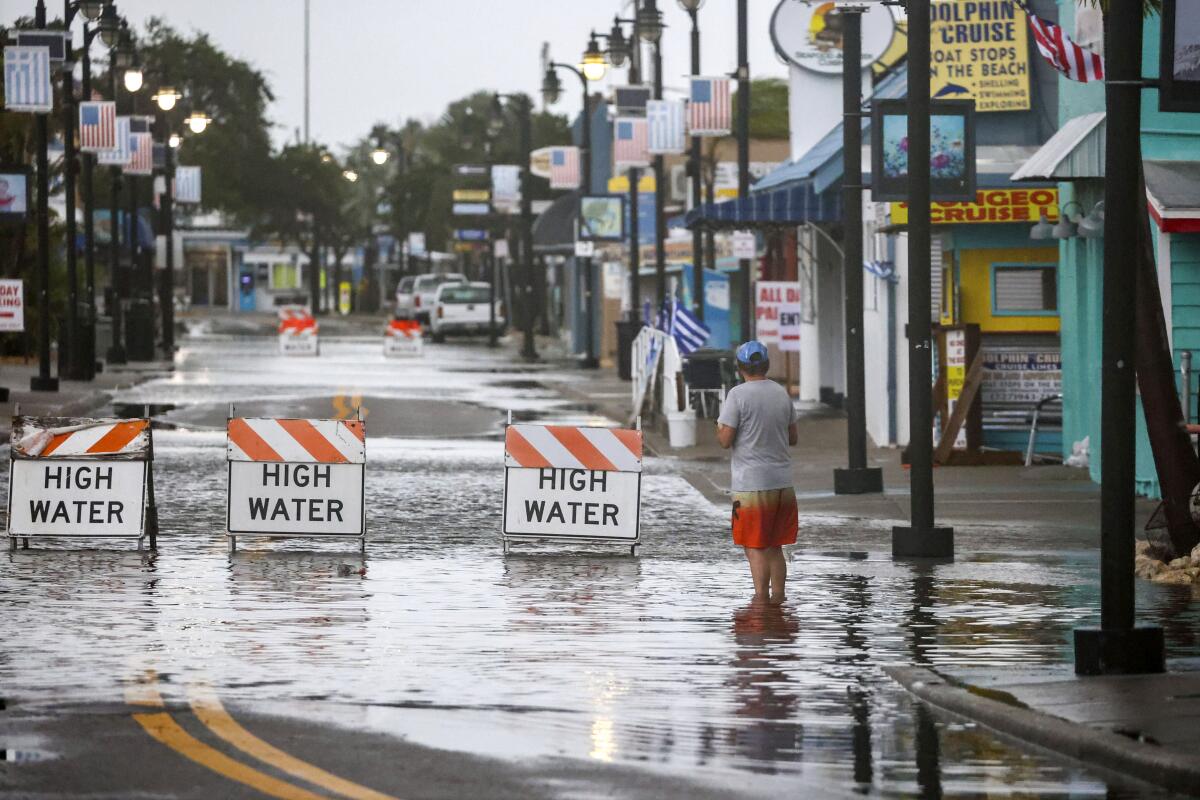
627	331
681	428
139	331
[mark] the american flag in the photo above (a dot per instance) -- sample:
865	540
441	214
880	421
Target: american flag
709	111
118	156
1077	63
141	154
187	184
667	132
97	126
564	168
27	79
629	142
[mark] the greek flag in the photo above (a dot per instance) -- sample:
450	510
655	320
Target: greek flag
187	184
27	79
689	333
667	129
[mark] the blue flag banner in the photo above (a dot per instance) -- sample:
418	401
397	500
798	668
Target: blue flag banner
668	131
689	333
27	80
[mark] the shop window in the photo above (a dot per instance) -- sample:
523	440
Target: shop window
285	275
1025	289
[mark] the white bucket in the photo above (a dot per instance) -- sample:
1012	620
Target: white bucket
681	428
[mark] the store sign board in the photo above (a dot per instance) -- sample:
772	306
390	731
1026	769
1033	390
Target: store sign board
770	299
979	50
809	34
1021	375
991	205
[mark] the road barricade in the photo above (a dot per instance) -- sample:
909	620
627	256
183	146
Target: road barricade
77	477
296	477
402	337
572	483
298	332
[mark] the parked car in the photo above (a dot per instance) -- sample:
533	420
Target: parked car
463	309
404	298
425	288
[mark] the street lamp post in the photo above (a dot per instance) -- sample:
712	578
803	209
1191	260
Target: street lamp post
523	107
649	26
692	7
594	68
743	147
43	382
857	478
118	57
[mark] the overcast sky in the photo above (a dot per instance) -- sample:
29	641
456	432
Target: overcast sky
385	60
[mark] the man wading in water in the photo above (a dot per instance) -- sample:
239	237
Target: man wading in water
759	422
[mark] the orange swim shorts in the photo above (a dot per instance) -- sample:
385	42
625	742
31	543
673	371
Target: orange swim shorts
766	518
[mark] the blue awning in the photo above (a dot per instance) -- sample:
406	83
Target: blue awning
783	208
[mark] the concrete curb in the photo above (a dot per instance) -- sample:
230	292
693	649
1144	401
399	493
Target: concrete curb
1102	749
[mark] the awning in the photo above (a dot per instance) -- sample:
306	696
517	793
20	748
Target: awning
554	228
785	208
1075	152
1173	195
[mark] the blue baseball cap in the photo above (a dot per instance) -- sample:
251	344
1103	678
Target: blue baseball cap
752	353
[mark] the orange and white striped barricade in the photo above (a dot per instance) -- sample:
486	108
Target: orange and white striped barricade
76	477
296	477
402	337
299	334
572	483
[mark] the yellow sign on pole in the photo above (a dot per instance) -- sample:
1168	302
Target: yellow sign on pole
979	50
991	205
472	195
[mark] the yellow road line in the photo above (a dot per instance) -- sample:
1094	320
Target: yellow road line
145	691
167	731
208	708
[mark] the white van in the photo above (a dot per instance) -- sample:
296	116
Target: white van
425	289
463	309
404	298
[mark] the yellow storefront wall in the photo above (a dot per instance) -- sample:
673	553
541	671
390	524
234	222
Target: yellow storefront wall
975	289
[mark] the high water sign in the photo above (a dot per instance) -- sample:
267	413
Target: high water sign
979	50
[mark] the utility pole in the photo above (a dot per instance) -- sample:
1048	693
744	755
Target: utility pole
660	197
70	115
116	350
167	209
43	382
697	189
1119	645
920	539
635	247
743	142
525	110
858	478
87	358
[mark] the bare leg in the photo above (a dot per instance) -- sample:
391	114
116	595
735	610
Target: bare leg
760	571
778	572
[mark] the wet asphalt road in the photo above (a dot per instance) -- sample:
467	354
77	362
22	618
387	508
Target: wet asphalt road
446	669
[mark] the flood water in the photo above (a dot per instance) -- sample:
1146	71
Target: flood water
656	662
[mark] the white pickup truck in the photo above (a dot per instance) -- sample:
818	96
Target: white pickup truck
462	309
424	292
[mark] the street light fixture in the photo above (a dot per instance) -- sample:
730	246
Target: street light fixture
649	22
166	97
110	25
380	154
198	121
690	5
91	9
174	140
593	65
618	47
551	86
133	73
350	175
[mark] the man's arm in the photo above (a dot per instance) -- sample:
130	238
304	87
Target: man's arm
793	434
725	435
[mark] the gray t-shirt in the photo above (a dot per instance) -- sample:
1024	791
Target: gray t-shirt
761	411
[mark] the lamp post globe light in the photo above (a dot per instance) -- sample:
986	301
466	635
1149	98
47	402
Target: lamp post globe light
166	97
618	47
133	75
551	86
649	22
593	65
380	154
110	25
350	175
197	121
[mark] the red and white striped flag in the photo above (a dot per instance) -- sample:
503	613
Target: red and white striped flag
709	108
1077	63
564	168
97	126
630	142
141	154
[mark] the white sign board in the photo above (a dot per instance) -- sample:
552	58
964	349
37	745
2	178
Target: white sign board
744	245
956	373
289	498
770	297
808	35
399	345
12	306
291	344
789	327
62	497
585	249
571	503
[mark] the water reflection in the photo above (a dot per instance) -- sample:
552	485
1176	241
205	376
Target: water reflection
762	685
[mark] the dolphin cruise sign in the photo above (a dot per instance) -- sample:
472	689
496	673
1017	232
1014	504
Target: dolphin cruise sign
979	50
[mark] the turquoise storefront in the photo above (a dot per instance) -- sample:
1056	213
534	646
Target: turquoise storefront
1075	156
